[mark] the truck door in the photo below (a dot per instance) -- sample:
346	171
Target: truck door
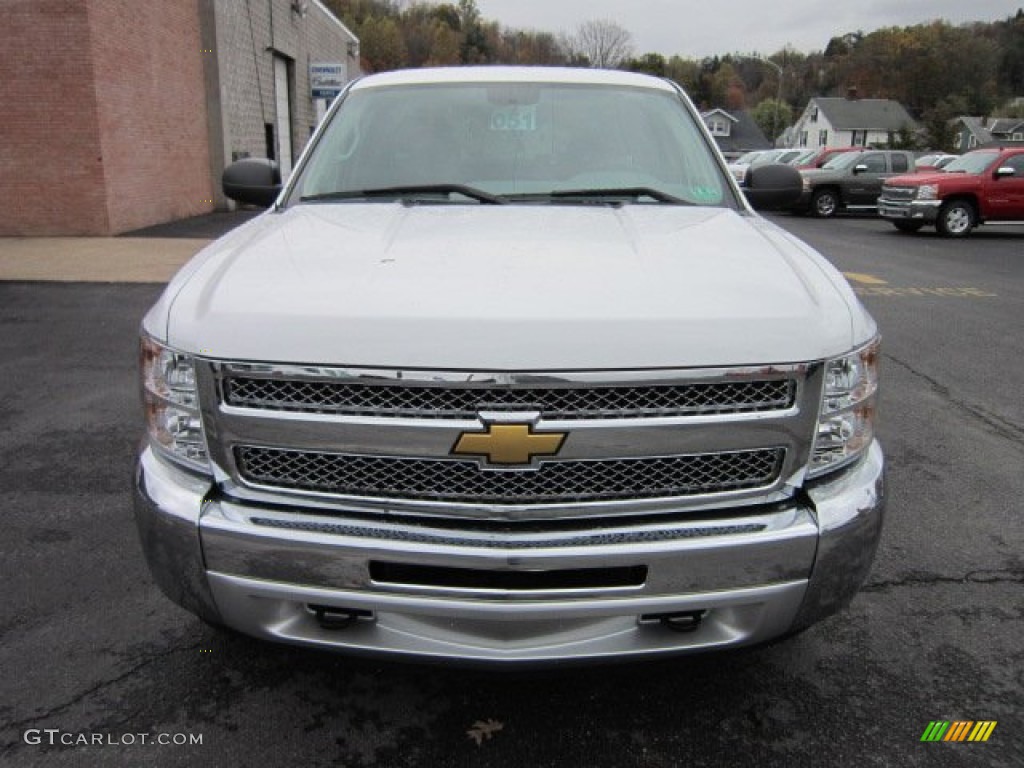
1006	193
866	185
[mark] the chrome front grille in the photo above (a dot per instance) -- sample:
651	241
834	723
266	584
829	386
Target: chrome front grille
424	401
899	194
556	482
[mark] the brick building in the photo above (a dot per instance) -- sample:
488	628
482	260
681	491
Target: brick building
121	115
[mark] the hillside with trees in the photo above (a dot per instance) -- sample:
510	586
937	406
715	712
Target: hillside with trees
937	70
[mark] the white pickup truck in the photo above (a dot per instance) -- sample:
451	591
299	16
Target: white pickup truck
510	371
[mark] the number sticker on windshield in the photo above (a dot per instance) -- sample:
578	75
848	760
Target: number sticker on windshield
514	117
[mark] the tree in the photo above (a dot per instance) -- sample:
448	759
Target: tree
937	122
727	87
650	63
772	117
382	44
686	73
601	42
476	48
904	138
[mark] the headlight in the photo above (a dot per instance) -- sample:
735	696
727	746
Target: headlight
846	425
171	400
928	192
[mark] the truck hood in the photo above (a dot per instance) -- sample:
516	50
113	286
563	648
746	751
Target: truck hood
918	179
519	287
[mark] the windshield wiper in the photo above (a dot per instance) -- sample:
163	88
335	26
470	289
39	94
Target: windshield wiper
427	189
631	192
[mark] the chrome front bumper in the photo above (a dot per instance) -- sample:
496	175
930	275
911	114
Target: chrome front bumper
926	211
753	574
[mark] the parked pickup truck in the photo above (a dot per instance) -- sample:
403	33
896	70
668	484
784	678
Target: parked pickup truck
982	185
510	371
850	182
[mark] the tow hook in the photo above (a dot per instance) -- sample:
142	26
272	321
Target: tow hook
682	621
333	618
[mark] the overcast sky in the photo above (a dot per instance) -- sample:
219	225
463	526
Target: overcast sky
698	28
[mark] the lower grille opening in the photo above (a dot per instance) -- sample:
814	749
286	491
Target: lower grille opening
511	581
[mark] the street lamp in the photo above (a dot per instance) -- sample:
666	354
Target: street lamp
778	94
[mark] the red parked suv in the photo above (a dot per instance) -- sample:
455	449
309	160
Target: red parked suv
985	185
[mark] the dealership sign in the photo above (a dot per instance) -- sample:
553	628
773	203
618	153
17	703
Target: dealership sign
326	79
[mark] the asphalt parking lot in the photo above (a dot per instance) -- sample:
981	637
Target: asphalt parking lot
89	646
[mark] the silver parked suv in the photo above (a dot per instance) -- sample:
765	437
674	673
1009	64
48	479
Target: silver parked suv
510	371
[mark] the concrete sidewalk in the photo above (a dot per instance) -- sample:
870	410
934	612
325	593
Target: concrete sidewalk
95	259
150	255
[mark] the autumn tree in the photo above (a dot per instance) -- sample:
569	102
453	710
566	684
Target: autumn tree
382	44
930	68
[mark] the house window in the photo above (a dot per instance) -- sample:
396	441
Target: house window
1018	137
814	115
972	142
859	139
718	127
822	138
803	138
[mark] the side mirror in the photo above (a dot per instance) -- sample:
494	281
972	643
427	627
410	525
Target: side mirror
1003	171
254	181
772	187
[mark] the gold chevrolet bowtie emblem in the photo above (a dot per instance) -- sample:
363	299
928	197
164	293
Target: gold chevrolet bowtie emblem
509	443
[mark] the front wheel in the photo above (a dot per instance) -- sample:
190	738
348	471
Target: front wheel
825	203
956	219
908	226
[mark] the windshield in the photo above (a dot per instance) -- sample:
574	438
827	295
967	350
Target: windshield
843	160
502	140
972	162
748	158
771	156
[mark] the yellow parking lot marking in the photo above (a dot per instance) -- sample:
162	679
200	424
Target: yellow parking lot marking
860	277
958	292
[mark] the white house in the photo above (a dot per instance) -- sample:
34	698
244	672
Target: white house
850	122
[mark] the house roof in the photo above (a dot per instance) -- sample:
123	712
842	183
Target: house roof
744	135
973	124
991	129
1002	125
718	111
865	114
